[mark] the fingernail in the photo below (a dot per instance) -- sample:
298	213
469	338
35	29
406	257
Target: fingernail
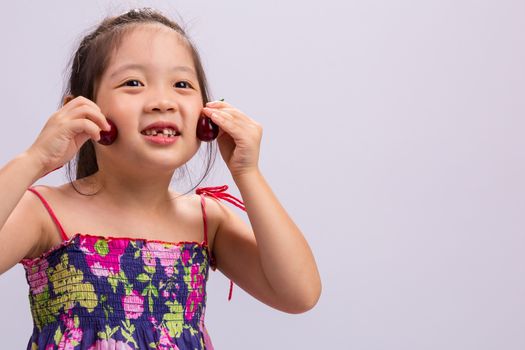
213	103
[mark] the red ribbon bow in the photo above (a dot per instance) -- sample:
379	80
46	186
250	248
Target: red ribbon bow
218	192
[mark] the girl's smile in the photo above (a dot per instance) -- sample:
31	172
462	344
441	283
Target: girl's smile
142	87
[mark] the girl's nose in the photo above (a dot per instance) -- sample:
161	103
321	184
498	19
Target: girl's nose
164	106
161	102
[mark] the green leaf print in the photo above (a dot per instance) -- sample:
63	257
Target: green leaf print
149	269
113	281
42	318
145	291
143	278
154	291
128	331
102	247
120	277
108	309
69	288
174	319
108	333
58	336
68	285
128	288
150	302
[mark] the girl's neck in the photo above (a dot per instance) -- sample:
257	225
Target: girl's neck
144	196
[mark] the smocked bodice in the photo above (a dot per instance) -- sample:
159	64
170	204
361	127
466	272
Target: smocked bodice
99	292
93	290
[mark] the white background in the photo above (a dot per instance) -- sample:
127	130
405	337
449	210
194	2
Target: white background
393	135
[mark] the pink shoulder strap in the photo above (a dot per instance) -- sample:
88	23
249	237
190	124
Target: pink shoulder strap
217	192
53	216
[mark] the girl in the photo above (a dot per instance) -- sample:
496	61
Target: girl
115	259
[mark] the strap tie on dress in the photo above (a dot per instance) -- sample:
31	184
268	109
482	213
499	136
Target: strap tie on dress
219	192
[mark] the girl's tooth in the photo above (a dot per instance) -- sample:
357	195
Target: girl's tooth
165	132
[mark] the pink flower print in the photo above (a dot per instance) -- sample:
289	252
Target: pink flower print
70	339
165	341
49	347
37	277
111	344
72	334
148	256
196	295
185	256
133	305
67	319
103	255
166	253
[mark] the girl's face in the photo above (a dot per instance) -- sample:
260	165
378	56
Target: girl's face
150	78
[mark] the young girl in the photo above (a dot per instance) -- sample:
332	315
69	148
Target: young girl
115	259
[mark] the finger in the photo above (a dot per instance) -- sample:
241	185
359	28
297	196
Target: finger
79	101
80	126
87	111
234	112
224	120
217	114
83	101
217	104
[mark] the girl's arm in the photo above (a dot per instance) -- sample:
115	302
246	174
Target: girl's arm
20	217
273	262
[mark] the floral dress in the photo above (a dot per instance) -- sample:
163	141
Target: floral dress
95	292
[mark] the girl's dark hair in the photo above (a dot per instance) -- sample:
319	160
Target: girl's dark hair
91	60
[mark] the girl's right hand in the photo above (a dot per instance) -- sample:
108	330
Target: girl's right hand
66	131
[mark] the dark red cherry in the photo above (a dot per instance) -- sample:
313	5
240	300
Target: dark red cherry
207	130
108	137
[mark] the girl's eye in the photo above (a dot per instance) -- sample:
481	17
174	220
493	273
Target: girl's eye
132	81
183	84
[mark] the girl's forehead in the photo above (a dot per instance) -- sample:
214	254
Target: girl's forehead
147	35
149	45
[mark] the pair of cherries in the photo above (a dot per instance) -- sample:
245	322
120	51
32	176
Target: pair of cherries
207	131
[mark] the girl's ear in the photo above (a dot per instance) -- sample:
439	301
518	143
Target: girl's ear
67	99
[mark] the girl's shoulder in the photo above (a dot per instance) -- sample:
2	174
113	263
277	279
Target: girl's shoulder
80	212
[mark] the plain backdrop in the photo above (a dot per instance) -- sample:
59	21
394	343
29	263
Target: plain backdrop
393	135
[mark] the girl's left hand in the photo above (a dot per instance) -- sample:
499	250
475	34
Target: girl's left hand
239	137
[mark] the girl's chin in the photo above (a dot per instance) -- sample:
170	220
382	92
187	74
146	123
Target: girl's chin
150	165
